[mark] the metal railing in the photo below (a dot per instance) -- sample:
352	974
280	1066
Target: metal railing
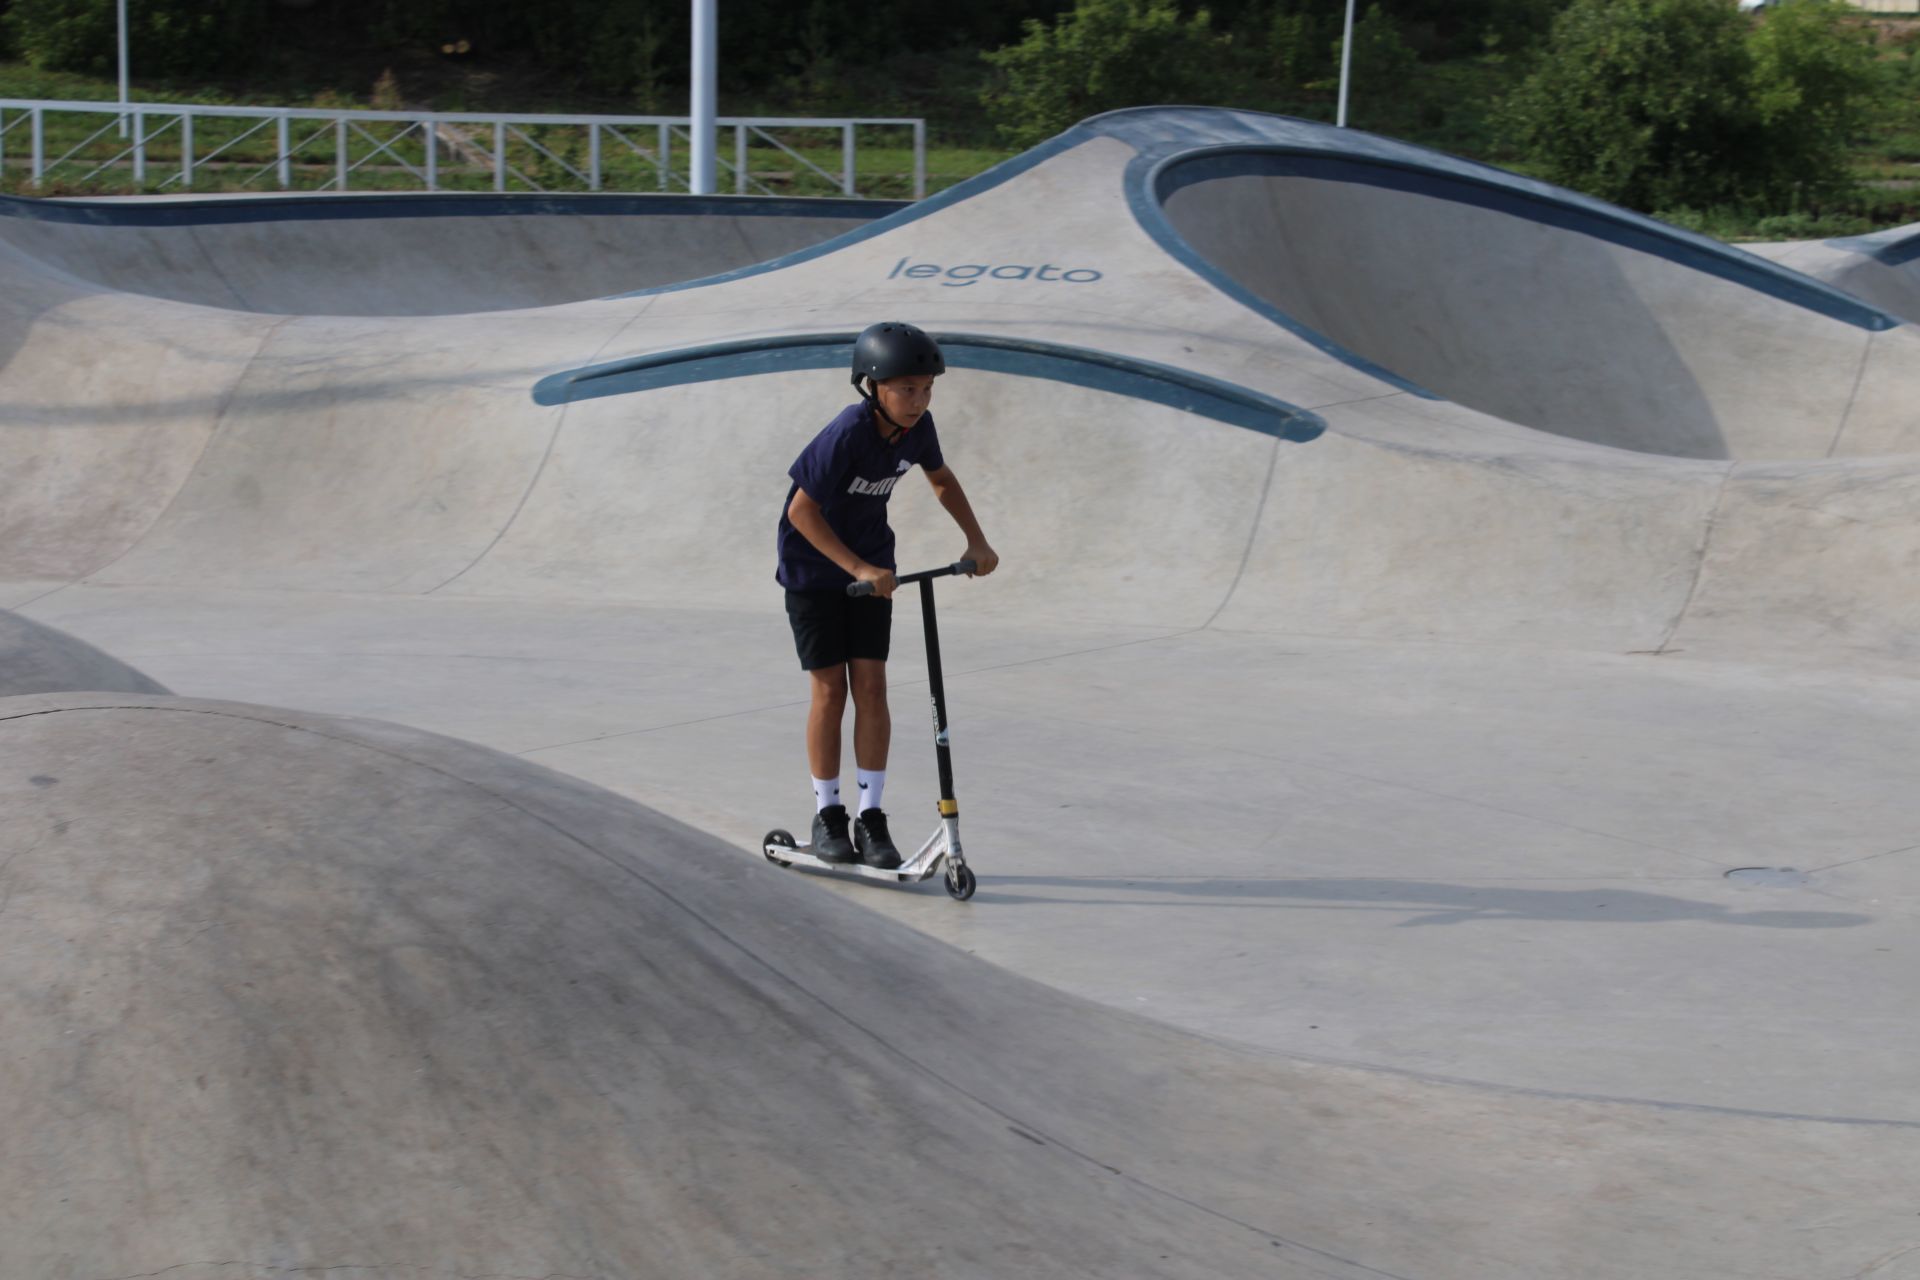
321	149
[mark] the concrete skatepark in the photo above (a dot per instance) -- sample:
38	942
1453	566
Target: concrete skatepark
1436	754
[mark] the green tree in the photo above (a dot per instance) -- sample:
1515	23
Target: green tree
167	37
1641	102
1103	55
1299	49
1668	104
1381	59
1814	81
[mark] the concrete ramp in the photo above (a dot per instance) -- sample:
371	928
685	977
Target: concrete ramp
370	255
35	658
1492	298
415	1006
1882	268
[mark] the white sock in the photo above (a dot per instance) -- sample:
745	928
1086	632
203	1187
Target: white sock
872	782
826	793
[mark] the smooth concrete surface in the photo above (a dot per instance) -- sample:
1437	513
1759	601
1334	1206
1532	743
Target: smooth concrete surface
36	658
346	255
1882	267
421	1006
1354	816
1423	285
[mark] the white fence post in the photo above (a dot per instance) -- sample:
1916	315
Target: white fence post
919	159
294	130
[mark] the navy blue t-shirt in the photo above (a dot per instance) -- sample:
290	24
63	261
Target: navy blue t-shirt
850	470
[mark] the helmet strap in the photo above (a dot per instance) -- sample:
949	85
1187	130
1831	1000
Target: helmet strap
873	402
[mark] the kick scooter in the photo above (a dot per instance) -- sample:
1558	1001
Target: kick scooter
943	846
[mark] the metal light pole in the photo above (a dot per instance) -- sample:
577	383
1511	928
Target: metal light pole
1346	66
706	61
123	66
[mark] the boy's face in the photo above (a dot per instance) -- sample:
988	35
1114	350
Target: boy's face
906	398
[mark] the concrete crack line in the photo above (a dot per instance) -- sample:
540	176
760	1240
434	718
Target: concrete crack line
1700	561
277	1269
1854	862
1859	375
1253	534
553	442
1341	404
215	433
42	596
1885	1261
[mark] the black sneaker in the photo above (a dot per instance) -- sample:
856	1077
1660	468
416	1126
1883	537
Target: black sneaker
873	843
830	843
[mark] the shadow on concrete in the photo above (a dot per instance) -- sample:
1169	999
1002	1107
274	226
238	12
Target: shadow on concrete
1430	902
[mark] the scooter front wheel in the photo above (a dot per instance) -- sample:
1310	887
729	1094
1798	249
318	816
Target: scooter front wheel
960	883
778	836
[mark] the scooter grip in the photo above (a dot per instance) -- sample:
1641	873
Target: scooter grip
964	567
859	588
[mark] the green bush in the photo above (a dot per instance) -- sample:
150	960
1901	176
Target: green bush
1813	82
1103	55
1687	104
1381	59
164	38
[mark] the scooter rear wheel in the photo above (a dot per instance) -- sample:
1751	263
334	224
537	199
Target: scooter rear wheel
777	836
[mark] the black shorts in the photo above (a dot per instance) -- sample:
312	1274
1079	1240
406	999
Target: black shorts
831	628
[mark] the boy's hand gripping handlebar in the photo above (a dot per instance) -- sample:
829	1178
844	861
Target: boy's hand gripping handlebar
957	567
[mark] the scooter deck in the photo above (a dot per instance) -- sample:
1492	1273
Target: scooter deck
920	867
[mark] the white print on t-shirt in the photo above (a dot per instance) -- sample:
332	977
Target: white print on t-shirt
873	487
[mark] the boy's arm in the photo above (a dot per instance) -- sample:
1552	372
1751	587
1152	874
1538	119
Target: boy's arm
811	521
946	487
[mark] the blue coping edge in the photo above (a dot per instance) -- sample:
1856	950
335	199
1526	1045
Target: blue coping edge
439	204
1077	366
1894	247
1170	139
1179	146
1147	200
1188	170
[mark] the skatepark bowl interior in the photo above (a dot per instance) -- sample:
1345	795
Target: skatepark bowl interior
1437	751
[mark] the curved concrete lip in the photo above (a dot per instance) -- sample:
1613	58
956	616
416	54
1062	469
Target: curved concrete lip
389	254
1418	745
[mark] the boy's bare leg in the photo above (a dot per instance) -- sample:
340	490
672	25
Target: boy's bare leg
872	722
823	720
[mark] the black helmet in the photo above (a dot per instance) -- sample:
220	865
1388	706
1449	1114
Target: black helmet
893	349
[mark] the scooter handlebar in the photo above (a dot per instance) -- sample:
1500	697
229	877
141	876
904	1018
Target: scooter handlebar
956	568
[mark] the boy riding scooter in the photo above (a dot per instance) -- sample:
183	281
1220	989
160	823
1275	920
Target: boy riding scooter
834	533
